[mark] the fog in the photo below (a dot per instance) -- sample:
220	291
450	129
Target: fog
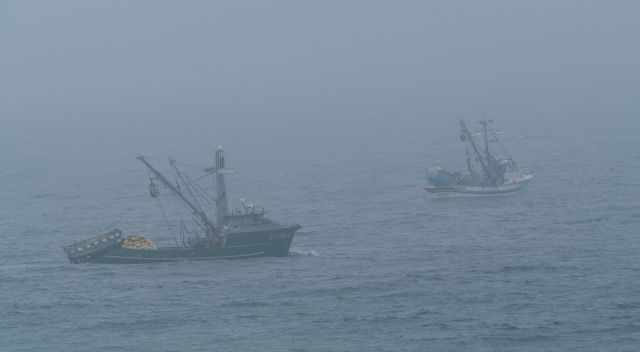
305	79
330	113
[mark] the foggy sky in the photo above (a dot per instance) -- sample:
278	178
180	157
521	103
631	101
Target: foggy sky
141	73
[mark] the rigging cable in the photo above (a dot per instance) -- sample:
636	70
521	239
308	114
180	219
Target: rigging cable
204	195
159	203
164	214
186	184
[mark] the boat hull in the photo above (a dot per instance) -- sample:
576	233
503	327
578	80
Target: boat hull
482	191
272	243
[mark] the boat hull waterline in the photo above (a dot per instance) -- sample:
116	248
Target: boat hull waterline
257	244
482	191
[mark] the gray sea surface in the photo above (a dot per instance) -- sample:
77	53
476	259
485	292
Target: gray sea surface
378	266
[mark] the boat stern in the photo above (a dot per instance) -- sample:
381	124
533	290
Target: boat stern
86	250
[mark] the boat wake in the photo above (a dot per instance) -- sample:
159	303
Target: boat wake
303	253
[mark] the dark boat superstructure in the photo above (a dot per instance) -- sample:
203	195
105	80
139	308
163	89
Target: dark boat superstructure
496	175
238	234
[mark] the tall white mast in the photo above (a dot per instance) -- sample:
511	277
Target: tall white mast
222	202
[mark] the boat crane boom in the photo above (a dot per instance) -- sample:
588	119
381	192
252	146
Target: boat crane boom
196	210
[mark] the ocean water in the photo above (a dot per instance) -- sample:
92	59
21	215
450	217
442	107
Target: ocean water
378	266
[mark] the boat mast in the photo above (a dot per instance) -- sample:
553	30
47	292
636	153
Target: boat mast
485	134
469	163
211	229
466	135
222	203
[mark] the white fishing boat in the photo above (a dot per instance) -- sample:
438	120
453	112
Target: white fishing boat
486	174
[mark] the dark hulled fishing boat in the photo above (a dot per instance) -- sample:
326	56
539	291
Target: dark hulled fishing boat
238	234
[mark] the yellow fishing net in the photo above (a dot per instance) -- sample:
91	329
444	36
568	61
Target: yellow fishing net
138	242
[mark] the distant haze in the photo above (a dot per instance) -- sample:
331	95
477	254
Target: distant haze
117	78
329	112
